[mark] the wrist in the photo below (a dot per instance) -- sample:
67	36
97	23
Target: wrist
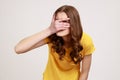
51	30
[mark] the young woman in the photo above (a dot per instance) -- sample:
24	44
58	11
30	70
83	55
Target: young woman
70	49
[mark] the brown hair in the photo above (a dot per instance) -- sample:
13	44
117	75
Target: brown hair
75	34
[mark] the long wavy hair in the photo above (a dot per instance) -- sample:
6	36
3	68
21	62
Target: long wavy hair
75	35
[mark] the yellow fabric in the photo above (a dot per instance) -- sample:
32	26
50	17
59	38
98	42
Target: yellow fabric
65	69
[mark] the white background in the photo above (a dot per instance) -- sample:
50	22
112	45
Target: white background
22	18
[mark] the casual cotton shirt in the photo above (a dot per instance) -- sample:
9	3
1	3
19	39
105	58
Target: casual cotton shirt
66	69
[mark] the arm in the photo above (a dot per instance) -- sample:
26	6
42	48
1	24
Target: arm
37	39
86	63
33	41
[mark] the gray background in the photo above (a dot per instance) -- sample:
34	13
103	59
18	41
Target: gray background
22	18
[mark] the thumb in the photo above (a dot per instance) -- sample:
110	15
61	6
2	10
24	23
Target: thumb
53	18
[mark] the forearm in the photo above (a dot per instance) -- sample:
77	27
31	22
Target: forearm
86	63
27	43
83	76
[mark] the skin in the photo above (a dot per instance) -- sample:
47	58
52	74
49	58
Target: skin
60	26
64	33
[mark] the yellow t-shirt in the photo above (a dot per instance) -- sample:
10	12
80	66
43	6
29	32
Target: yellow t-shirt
65	69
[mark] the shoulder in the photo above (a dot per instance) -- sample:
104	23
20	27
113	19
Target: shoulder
86	38
48	41
87	44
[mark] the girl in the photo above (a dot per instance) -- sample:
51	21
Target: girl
70	49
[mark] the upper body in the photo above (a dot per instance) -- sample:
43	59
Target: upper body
66	69
68	46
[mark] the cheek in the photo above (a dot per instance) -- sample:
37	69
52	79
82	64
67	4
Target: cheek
66	31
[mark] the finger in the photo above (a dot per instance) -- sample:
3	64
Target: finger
62	25
64	20
66	24
53	18
62	28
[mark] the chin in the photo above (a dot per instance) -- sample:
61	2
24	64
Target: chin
62	33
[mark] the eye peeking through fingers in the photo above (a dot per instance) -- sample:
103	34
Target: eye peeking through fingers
65	21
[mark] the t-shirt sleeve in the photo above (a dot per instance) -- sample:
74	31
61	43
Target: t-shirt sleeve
88	45
47	40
